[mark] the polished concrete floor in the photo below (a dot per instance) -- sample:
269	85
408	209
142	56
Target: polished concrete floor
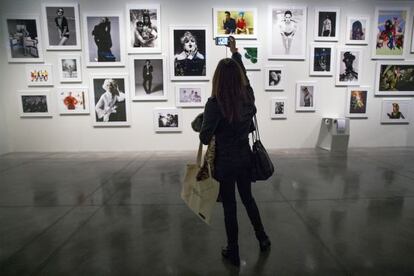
121	214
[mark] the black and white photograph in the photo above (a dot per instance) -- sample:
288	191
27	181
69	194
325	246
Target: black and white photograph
167	120
357	29
23	39
327	23
322	58
305	96
396	110
61	26
189	57
34	103
190	94
274	78
148	77
110	100
73	100
278	108
394	78
104	39
144	28
70	69
39	75
349	65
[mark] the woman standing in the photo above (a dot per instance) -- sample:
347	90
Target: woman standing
228	116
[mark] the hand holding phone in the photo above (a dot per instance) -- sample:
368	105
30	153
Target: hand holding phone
222	41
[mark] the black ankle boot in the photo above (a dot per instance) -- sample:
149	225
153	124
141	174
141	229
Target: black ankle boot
231	253
264	241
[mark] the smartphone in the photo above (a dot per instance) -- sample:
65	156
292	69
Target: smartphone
222	41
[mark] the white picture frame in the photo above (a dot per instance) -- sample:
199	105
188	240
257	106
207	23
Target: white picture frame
61	29
306	95
348	66
92	23
155	86
394	78
327	24
168	120
200	60
293	46
396	111
278	108
39	74
357	101
357	29
23	38
251	54
145	43
380	47
274	78
70	68
191	94
72	100
103	110
245	26
34	103
322	59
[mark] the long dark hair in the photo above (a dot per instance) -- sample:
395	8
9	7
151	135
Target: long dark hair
229	88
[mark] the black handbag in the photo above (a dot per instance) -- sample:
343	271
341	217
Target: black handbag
262	166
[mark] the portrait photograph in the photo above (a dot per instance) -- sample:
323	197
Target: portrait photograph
104	40
251	55
143	28
39	75
189	56
190	94
394	78
390	32
70	69
396	111
110	100
34	103
322	56
357	98
73	100
278	108
274	78
305	96
327	23
288	33
167	120
61	26
148	78
23	39
357	30
240	23
349	65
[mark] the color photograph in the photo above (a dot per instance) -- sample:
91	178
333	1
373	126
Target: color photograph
251	55
396	111
394	78
357	29
39	75
190	94
240	23
73	100
357	98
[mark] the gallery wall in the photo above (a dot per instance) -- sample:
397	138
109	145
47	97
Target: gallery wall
299	130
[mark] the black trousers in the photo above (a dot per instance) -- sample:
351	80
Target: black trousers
147	84
228	195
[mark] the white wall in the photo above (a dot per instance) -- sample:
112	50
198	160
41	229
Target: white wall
300	130
4	134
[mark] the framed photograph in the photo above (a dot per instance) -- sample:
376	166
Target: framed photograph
396	111
394	78
190	94
305	95
412	39
240	23
148	78
189	57
274	78
349	66
390	32
39	75
251	54
70	68
34	103
110	99
357	29
61	26
104	40
288	32
327	24
356	102
143	28
73	100
322	58
167	120
23	38
278	108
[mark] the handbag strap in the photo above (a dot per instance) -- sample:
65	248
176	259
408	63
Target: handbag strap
199	154
256	136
